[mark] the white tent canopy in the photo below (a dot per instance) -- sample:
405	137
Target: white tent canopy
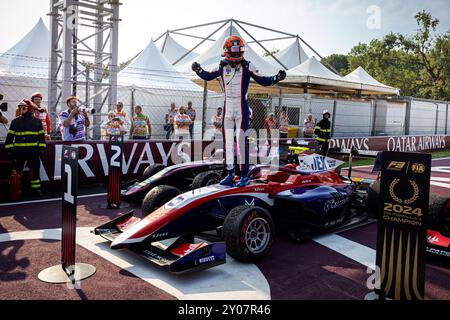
30	56
210	59
173	51
290	56
150	69
360	75
312	71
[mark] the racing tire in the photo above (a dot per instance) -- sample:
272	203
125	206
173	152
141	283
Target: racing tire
151	170
157	197
438	213
248	232
373	195
204	179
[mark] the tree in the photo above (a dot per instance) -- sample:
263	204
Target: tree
337	61
418	64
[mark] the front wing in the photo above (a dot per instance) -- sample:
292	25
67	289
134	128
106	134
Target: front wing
179	255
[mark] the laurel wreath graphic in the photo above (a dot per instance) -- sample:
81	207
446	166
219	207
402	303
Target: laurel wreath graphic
397	199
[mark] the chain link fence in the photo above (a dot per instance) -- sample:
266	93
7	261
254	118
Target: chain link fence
350	118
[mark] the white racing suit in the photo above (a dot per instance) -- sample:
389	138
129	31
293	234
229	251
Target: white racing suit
236	110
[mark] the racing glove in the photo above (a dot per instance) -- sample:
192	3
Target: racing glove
196	67
279	77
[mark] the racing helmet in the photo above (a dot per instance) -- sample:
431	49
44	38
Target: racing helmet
36	95
234	49
27	103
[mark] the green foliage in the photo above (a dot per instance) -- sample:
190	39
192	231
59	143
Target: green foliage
274	51
338	62
418	64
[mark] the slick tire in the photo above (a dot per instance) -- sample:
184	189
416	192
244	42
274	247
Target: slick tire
151	170
204	179
157	197
373	196
248	232
438	213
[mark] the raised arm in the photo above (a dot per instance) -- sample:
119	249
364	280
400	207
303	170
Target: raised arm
266	81
205	75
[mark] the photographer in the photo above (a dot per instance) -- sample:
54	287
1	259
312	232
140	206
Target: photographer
3	108
3	119
72	123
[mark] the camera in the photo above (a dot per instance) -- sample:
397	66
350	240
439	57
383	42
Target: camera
73	130
86	109
4	105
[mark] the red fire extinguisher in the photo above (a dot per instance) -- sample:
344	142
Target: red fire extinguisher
14	185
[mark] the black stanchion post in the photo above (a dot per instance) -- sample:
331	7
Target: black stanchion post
68	270
115	155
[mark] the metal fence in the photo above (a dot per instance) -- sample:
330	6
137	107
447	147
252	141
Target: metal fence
350	118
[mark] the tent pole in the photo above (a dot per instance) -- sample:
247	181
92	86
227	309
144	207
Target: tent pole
205	107
191	36
273	39
281	64
200	25
264	28
200	43
165	41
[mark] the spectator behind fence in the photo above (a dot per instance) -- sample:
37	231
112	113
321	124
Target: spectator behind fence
284	125
140	125
169	126
191	113
111	126
25	143
308	126
182	122
3	119
72	124
122	116
216	122
41	113
270	124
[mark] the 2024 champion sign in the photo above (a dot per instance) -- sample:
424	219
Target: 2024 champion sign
401	244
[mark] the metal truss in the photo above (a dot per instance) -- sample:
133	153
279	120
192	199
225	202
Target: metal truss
240	24
83	31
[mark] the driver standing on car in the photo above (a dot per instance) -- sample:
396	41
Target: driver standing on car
235	73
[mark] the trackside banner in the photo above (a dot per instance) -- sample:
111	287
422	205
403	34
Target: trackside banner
137	155
404	197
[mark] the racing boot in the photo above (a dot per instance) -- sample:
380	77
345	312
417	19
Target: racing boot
229	179
243	181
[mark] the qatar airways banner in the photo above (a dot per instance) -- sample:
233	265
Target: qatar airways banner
137	155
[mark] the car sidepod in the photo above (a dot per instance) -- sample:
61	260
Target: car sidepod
319	205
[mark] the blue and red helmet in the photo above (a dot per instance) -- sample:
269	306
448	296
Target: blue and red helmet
234	49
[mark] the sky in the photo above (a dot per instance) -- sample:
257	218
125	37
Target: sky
329	26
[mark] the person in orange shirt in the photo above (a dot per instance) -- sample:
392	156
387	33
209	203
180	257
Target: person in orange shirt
41	113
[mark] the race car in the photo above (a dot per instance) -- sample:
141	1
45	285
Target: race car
306	196
184	176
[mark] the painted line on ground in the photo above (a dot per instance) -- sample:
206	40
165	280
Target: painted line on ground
350	249
440	184
49	200
230	281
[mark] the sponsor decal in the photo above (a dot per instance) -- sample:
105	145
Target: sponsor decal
160	235
396	165
206	259
418	168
